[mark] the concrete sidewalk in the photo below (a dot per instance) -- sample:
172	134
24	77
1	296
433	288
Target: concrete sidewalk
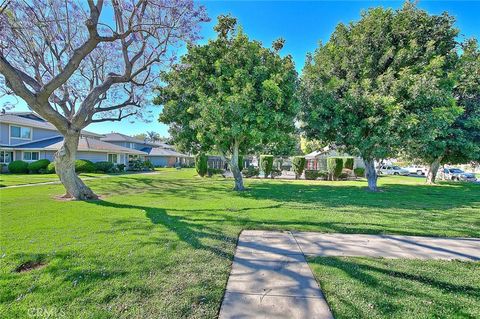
270	277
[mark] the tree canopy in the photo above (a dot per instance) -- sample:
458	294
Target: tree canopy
370	85
229	95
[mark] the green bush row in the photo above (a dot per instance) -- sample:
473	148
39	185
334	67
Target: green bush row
45	166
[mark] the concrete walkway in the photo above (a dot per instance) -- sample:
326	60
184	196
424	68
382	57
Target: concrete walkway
270	277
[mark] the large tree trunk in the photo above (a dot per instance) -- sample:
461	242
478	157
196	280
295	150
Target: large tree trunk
237	174
65	168
371	175
433	170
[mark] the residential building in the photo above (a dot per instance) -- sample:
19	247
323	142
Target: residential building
317	160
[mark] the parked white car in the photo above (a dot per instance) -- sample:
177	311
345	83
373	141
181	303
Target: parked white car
417	169
456	174
392	170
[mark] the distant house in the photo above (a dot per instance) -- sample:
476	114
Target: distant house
317	160
218	162
27	136
160	154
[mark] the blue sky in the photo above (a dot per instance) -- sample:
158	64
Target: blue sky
302	24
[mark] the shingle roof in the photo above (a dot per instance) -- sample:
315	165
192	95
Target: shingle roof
27	119
158	151
85	144
119	137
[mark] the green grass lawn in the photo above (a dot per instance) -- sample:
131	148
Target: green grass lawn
23	179
161	245
399	288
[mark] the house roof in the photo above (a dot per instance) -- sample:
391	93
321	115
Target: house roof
33	120
157	151
119	137
85	144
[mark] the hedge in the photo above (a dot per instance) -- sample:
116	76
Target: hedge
348	162
298	164
251	171
18	167
84	166
35	167
266	164
104	167
359	172
334	167
201	164
51	168
311	174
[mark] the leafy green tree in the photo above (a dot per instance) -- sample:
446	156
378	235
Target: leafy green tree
229	95
374	80
457	140
310	145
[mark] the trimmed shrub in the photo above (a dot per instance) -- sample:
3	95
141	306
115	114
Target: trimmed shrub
322	175
298	164
35	167
104	167
214	171
348	162
359	172
250	171
240	162
121	167
18	167
84	166
311	174
51	168
334	167
266	164
201	164
148	166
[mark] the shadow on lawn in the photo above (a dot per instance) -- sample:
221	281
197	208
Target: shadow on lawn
186	229
381	279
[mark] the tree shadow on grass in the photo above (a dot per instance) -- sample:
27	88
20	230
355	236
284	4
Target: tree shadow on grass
188	231
381	279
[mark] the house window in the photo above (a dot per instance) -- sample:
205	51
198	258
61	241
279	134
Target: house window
6	157
113	158
21	132
31	156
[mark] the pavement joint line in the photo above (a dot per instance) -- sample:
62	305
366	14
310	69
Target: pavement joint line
273	295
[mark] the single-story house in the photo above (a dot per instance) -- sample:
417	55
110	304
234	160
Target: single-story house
317	160
160	154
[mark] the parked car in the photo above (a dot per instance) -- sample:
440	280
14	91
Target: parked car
392	170
456	174
417	169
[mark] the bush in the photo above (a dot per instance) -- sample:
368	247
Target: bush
343	176
359	172
322	175
135	165
201	164
84	166
311	174
148	166
334	167
298	164
121	167
266	164
35	167
214	171
251	171
18	167
104	167
50	168
348	162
